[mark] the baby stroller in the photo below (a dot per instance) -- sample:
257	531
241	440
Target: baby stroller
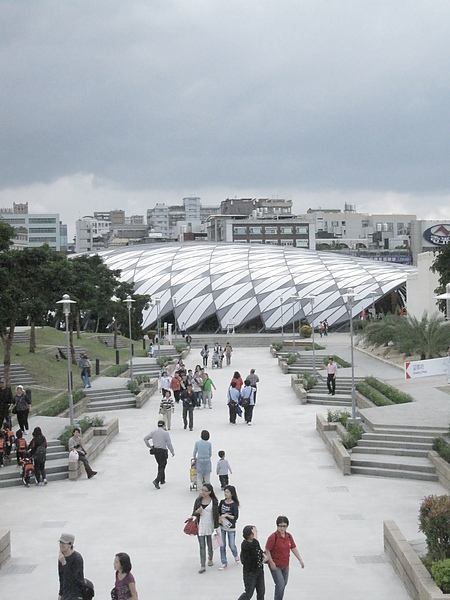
215	360
193	475
27	470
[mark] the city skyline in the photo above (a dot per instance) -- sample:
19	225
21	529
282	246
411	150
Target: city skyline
110	106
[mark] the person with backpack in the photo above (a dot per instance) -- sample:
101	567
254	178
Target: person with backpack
70	569
37	449
279	546
22	407
248	401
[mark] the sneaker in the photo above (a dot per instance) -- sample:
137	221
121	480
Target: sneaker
223	567
185	426
249	423
236	558
37	482
156	484
45	482
202	569
210	563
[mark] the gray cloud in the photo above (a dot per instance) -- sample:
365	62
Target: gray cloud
162	98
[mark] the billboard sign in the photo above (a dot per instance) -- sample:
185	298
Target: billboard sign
428	368
438	235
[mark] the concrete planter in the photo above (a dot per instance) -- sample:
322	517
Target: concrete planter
300	392
5	546
442	468
409	567
333	443
95	440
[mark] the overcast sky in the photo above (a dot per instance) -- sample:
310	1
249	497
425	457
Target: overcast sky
114	104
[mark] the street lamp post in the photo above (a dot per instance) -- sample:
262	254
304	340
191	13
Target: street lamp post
312	300
350	297
175	318
66	302
294	298
282	325
373	304
129	302
158	318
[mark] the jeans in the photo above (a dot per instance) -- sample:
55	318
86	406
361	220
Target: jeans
223	548
202	541
253	580
189	410
331	383
202	478
232	408
248	413
280	578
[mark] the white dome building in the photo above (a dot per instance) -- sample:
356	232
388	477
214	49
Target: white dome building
251	285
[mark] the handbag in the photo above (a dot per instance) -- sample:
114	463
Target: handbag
14	410
114	594
191	527
73	456
217	541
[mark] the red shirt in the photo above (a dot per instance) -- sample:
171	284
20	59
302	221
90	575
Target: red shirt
239	383
280	548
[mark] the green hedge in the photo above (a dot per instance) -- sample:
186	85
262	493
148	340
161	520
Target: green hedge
354	433
392	393
338	416
441	574
337	359
442	448
372	394
84	424
309	381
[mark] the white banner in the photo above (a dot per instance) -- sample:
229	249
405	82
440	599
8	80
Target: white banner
428	368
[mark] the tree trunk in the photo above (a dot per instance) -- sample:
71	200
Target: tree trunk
72	349
77	322
7	342
32	337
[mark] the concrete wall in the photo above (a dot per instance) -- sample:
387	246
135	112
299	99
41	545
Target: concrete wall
5	546
420	287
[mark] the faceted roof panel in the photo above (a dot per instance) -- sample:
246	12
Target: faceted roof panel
239	282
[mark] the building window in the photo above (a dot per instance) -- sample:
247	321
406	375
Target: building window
256	242
287	242
240	230
272	242
286	230
334	223
42	230
37	221
302	229
270	231
42	239
301	243
255	230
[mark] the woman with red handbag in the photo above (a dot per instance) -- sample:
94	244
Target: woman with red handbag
206	511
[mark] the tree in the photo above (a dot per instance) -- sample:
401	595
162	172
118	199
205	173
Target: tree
441	264
6	236
427	337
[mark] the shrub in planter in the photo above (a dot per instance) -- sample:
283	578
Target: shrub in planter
163	361
354	433
442	448
134	386
392	393
291	358
179	348
306	331
338	416
441	574
372	394
278	346
434	522
309	381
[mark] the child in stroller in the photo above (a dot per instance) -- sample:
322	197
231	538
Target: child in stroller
27	470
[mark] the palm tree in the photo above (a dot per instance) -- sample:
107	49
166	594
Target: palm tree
428	337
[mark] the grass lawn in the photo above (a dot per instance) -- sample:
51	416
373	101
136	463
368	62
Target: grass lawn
50	375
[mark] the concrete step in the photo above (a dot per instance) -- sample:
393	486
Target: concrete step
390	451
11	476
21	337
18	375
108	340
111	394
110	405
329	402
375	443
404	463
398	473
399	437
78	351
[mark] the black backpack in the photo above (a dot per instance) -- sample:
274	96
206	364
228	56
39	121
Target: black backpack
87	590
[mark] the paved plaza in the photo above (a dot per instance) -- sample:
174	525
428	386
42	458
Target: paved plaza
280	466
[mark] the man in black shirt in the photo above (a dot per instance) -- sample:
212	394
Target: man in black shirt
6	399
252	559
70	569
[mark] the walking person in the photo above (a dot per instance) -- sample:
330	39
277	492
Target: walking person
252	558
166	408
206	511
203	453
238	380
37	449
331	376
188	400
228	516
164	383
223	466
6	399
233	398
205	353
175	385
84	364
70	569
228	353
22	407
279	546
254	380
160	450
75	443
248	401
125	584
208	384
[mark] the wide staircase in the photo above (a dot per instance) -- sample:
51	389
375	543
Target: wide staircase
78	352
112	399
395	452
108	340
21	337
18	376
56	466
342	398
